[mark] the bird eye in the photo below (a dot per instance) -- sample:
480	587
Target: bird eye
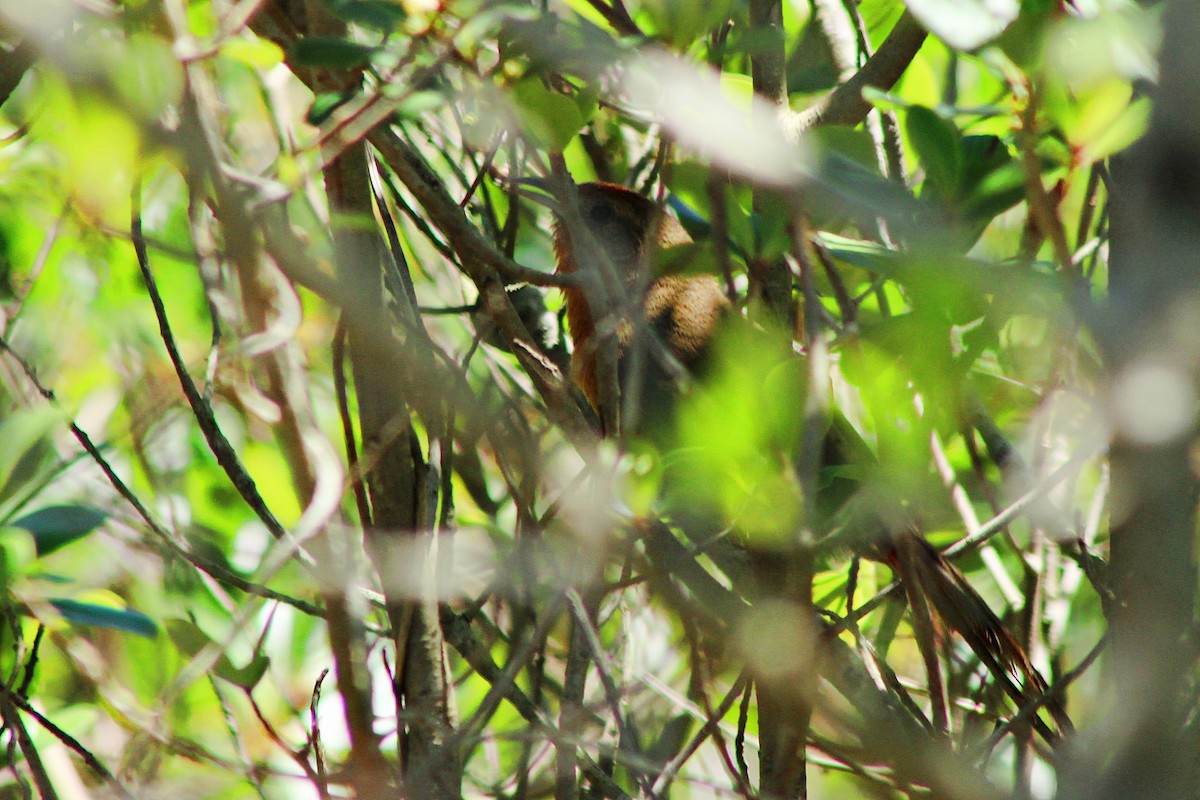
601	213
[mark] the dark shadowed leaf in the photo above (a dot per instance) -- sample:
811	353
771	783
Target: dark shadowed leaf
117	619
330	52
56	526
936	141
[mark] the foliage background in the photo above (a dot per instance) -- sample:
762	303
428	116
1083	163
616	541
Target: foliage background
265	202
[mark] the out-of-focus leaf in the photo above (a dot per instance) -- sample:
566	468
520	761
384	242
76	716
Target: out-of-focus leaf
965	24
587	100
380	15
863	194
27	451
1118	42
994	193
325	104
330	52
420	103
852	143
1024	40
690	103
689	259
57	526
146	73
17	552
738	436
551	118
190	640
486	22
992	182
1124	131
1098	119
681	21
117	619
253	52
936	141
871	256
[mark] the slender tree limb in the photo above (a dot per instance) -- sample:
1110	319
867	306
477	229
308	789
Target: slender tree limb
845	105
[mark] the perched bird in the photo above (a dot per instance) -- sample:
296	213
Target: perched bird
681	313
684	312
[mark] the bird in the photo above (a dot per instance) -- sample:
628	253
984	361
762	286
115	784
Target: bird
685	314
680	313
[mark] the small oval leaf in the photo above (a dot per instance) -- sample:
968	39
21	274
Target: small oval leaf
57	526
117	619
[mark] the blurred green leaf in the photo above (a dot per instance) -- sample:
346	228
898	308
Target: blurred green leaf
936	141
551	118
738	436
682	21
420	103
964	24
17	552
330	52
28	451
1124	131
324	104
190	640
117	619
381	15
257	53
146	72
57	526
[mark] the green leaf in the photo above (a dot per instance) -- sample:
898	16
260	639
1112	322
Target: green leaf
936	141
550	118
324	104
1124	131
965	24
853	143
420	103
330	52
738	434
57	526
681	21
17	552
190	639
27	452
380	15
117	619
257	53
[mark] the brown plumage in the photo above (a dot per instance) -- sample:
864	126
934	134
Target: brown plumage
683	312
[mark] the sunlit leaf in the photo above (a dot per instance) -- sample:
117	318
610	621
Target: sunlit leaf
253	52
681	21
690	102
965	24
147	73
1124	131
549	117
738	435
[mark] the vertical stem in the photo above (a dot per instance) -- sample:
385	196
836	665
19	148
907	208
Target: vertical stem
768	71
1139	749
